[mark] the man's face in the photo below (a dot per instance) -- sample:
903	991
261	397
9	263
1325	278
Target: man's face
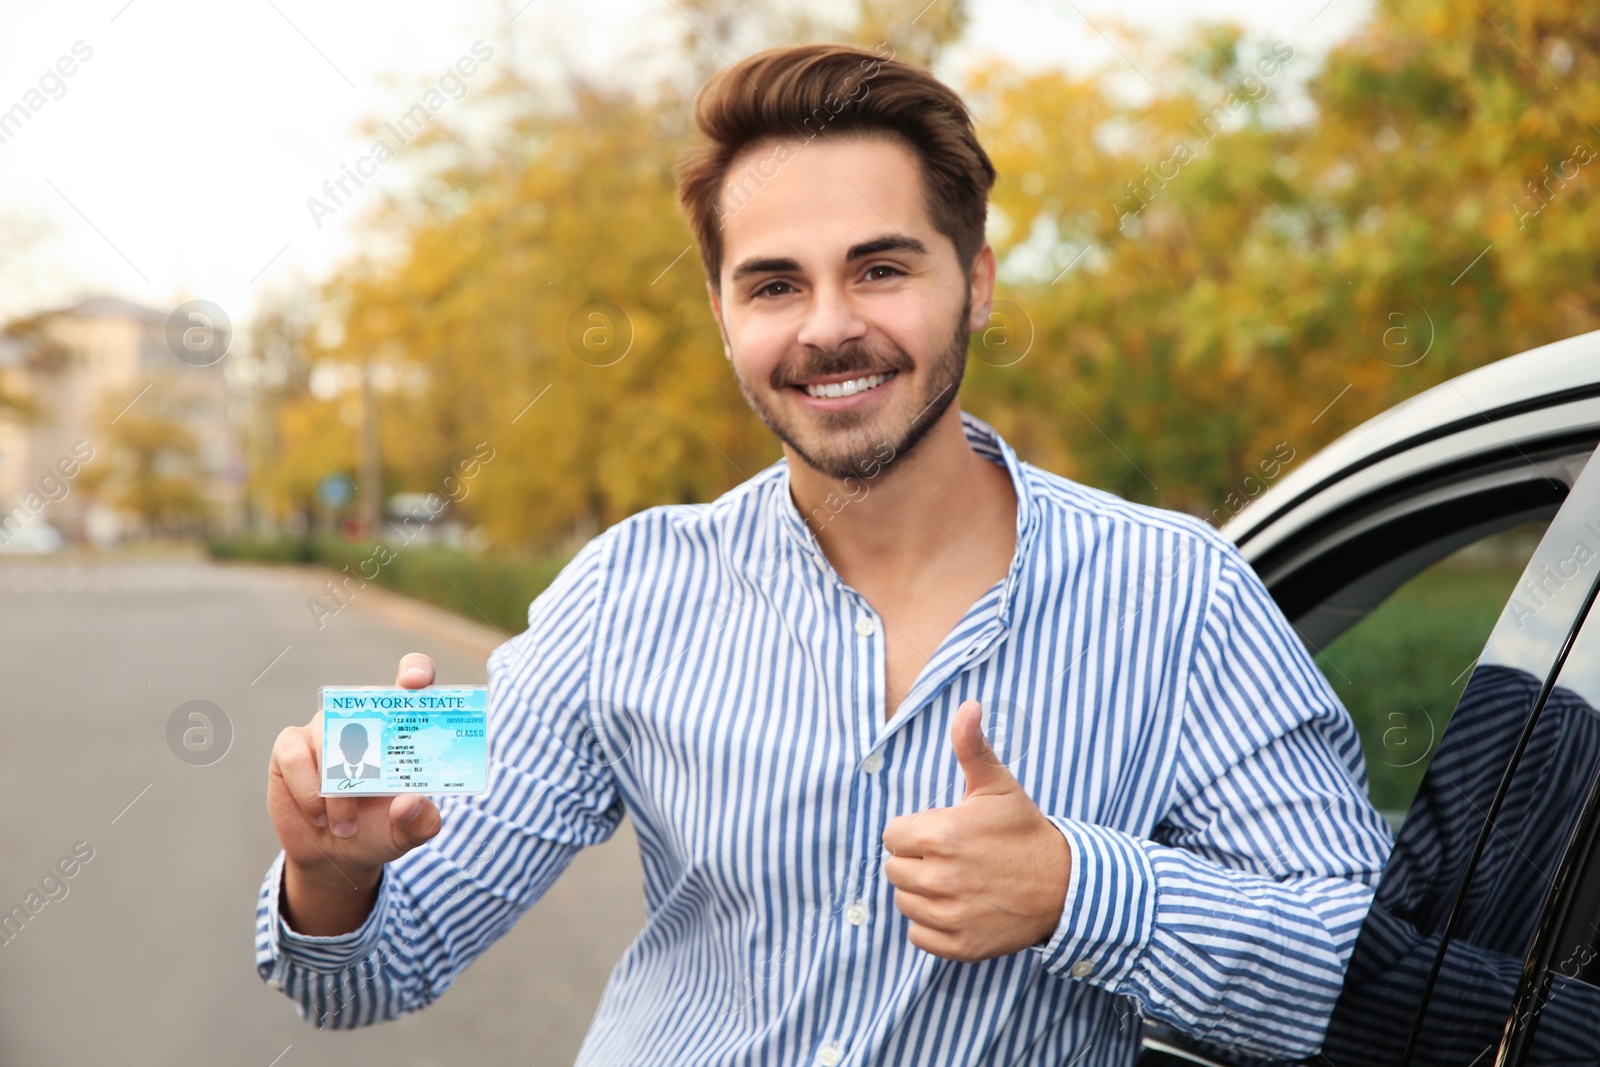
834	275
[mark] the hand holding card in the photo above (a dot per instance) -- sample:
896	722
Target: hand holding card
335	846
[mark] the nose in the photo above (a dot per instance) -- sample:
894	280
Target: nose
832	320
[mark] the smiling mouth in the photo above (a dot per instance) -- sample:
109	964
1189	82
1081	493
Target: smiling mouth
833	390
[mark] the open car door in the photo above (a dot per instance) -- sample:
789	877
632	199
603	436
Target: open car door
1481	945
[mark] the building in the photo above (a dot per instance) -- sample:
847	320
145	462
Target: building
105	434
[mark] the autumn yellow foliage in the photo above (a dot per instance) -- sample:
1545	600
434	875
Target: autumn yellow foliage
1244	256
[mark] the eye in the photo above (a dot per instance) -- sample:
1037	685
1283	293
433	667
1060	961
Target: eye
763	291
893	271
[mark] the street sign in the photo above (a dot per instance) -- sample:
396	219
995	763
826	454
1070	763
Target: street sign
335	491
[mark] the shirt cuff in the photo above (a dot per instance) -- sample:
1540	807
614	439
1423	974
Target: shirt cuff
1109	916
327	955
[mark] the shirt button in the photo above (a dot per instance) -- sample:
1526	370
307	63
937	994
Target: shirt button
873	763
829	1055
866	627
1083	968
856	914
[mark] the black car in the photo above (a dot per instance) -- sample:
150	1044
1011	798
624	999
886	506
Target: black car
1483	943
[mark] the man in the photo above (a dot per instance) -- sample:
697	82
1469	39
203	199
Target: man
934	757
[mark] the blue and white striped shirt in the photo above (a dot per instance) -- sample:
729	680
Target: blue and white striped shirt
704	669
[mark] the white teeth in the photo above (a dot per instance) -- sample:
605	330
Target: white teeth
850	388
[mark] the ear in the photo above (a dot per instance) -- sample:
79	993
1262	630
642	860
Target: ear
716	313
981	279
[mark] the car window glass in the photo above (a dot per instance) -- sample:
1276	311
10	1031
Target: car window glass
1461	895
1401	670
1558	1004
1514	874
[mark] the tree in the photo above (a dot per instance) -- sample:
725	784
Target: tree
1200	285
154	472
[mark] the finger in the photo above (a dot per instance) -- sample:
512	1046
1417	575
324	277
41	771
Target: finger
342	815
925	833
979	764
910	875
935	942
313	733
924	912
416	670
414	820
295	761
900	839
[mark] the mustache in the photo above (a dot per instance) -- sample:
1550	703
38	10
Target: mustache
855	360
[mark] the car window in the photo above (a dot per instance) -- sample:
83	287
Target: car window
1496	917
1442	951
1556	1016
1401	669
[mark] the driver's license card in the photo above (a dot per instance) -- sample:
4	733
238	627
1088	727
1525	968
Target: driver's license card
384	740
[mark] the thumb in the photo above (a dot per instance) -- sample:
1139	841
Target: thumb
413	819
983	769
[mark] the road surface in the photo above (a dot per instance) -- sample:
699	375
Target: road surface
148	958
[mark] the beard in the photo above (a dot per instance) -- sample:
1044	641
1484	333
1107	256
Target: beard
848	444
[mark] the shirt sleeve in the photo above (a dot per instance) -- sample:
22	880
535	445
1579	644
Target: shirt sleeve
551	792
1235	921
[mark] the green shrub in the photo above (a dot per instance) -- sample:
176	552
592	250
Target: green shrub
490	589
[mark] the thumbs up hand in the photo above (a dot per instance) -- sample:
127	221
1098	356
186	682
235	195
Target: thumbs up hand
986	877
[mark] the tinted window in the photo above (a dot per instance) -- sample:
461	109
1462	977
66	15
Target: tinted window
1462	894
1513	876
1401	670
1556	1018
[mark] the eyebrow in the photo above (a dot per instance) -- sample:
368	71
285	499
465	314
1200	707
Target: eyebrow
892	242
763	266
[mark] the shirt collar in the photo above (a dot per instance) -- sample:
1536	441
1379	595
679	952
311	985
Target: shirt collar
985	441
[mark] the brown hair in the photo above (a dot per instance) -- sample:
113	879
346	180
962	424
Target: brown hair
805	90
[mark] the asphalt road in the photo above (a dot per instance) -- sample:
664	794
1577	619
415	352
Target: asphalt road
148	958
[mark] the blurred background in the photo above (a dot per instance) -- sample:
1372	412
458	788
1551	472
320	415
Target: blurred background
327	332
